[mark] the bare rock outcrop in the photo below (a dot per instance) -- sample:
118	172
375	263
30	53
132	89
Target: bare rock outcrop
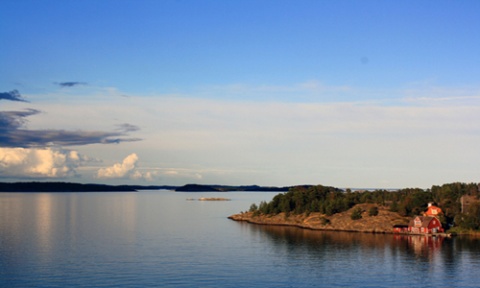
381	223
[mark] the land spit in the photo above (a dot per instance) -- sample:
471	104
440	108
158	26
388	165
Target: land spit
381	223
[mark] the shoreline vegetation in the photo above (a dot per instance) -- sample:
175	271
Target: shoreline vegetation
329	208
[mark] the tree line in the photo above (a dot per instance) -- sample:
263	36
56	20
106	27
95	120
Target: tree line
407	202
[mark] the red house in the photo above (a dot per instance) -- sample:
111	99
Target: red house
432	210
425	225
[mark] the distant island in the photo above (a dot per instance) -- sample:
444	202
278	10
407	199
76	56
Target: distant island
379	211
210	199
73	187
227	188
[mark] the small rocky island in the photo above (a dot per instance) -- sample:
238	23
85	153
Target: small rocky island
209	199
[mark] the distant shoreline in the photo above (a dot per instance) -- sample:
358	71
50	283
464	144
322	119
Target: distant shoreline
228	188
34	186
38	187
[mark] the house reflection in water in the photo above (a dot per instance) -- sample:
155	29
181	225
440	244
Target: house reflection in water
421	245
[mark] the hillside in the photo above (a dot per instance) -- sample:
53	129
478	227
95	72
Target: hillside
382	223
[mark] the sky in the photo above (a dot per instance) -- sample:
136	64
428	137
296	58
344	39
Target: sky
354	94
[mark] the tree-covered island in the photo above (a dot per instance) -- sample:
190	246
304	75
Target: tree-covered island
330	208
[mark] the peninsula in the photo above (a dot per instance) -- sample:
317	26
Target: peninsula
342	221
379	211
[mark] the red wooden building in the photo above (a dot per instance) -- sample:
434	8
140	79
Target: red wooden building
432	210
425	225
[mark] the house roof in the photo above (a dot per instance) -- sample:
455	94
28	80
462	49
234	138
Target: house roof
425	220
433	210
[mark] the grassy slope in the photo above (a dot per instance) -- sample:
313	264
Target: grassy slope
382	223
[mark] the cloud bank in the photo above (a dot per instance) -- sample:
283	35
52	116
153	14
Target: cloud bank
30	153
39	163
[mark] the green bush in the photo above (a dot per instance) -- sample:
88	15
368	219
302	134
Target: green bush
356	214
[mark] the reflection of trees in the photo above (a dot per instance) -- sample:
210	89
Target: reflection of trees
421	246
384	257
297	237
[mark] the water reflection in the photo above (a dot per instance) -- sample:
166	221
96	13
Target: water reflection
291	236
49	226
427	261
422	246
155	239
43	220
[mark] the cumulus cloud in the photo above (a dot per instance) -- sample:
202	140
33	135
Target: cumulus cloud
120	170
126	170
70	84
39	163
36	154
13	95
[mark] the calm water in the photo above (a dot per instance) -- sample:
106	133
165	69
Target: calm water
158	239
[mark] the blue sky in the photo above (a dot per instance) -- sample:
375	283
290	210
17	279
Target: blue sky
342	93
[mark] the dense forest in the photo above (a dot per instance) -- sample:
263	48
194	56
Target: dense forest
406	202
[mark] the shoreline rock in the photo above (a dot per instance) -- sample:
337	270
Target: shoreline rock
213	199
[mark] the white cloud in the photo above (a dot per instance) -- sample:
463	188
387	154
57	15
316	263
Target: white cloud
120	170
36	162
126	170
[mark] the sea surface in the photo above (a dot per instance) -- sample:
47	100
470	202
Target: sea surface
161	239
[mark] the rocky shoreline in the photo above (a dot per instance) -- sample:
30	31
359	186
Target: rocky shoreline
381	223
